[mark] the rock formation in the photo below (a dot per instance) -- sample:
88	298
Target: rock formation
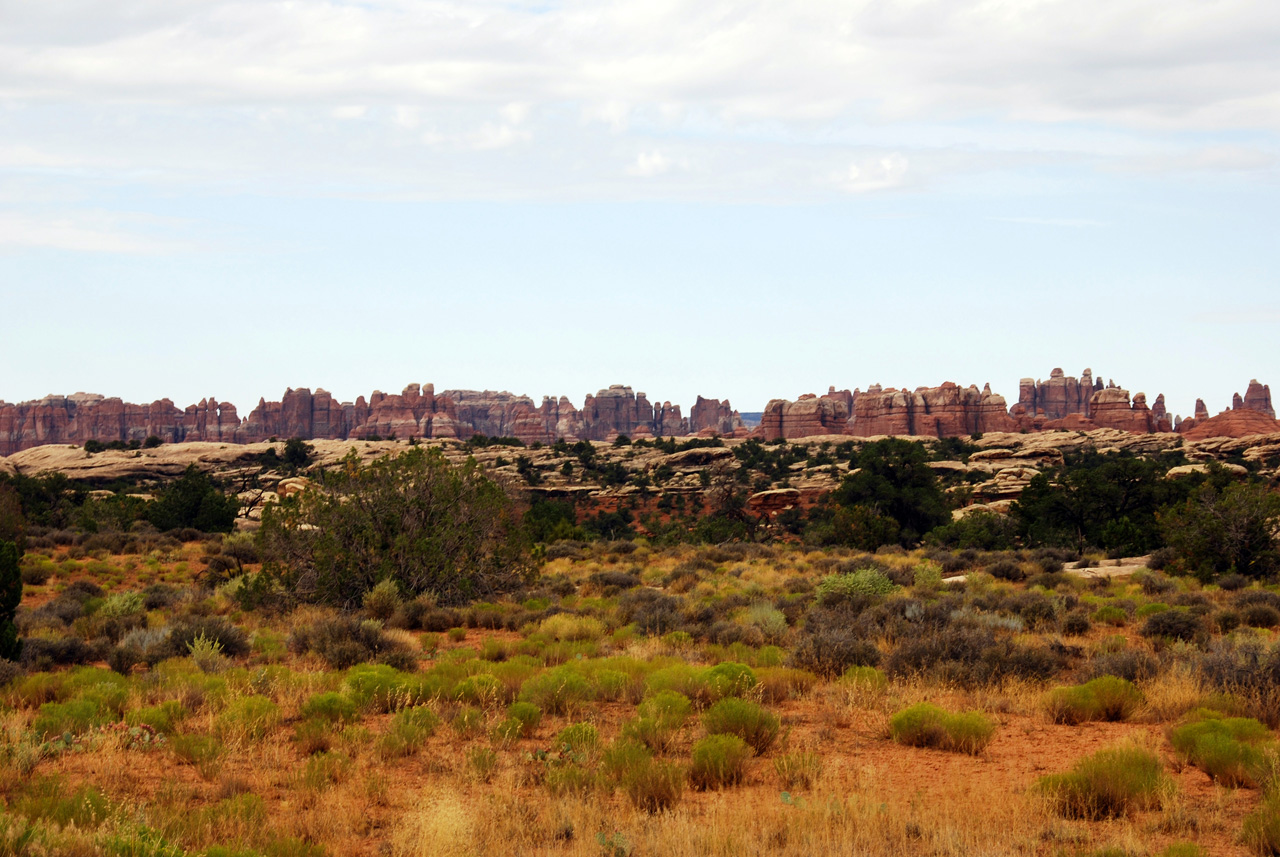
809	415
1234	423
1061	402
1257	398
945	411
714	416
1058	397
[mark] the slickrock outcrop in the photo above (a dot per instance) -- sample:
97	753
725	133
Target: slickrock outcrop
1234	423
945	411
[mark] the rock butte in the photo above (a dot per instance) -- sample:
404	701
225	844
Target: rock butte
948	410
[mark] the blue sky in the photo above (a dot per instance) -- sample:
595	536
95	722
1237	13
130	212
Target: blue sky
750	200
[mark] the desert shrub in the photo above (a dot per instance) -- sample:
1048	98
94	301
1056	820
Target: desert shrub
1173	625
36	574
829	651
74	716
383	600
566	626
1109	784
557	691
330	706
654	786
9	670
747	720
1111	614
1260	616
232	641
927	725
527	715
779	684
1229	749
409	729
971	657
248	718
468	722
345	641
1006	569
1076	623
1261	829
161	718
652	612
1106	698
484	689
718	761
1130	664
43	653
614	580
1232	582
854	586
482	762
661	715
728	679
380	687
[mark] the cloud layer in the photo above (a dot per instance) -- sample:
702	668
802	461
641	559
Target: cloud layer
668	98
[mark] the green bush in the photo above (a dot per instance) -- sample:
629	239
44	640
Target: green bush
409	730
558	691
1109	784
862	582
249	718
733	716
728	679
718	761
1231	750
160	717
330	706
1261	830
1106	698
927	725
527	715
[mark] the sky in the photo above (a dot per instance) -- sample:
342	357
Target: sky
751	200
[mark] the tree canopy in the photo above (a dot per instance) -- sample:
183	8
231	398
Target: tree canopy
428	525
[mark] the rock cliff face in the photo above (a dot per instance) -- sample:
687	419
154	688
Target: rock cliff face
1257	398
809	415
1058	397
1234	423
714	416
945	411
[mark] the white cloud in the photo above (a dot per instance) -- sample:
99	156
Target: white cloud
649	164
88	232
878	173
762	95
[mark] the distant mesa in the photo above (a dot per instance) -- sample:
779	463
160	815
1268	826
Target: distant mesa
947	410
